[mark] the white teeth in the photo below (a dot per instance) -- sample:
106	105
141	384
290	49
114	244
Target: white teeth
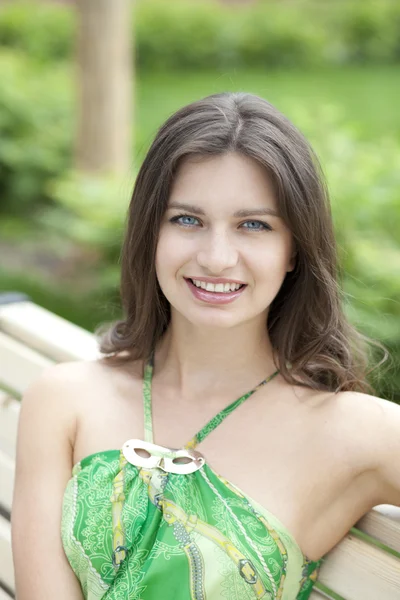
216	287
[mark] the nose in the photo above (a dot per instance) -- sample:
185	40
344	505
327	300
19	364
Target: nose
217	253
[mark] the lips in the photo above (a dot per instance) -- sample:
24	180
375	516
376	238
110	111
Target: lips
215	283
216	280
214	297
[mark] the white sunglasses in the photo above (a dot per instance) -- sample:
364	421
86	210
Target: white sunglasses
167	459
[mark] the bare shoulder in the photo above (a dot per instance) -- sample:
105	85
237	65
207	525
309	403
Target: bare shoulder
77	379
60	390
53	396
366	402
376	423
59	383
55	385
77	398
371	413
354	423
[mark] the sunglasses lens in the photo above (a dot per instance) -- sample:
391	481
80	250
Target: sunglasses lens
184	464
149	456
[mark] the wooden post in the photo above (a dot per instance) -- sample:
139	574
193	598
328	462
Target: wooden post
105	81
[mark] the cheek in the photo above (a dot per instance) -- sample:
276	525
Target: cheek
171	254
272	259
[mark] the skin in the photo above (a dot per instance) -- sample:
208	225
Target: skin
217	244
332	453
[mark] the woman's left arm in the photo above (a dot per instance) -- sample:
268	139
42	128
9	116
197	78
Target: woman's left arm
386	444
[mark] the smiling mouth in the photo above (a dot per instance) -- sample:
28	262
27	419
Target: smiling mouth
226	288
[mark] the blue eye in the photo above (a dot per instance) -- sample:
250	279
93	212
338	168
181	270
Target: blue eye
188	221
178	218
264	226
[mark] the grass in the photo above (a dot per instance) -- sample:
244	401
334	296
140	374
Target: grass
366	97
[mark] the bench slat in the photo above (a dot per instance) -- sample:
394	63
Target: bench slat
4	595
48	333
19	365
6	563
9	415
383	524
7	471
357	570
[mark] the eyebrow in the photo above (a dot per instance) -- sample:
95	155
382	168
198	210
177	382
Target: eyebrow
245	212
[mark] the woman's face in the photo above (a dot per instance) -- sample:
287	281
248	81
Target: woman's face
222	222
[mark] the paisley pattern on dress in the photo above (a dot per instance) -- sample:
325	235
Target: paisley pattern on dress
136	533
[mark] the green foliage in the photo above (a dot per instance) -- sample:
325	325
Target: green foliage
272	37
202	34
193	34
35	131
189	34
364	182
185	35
369	31
91	209
43	31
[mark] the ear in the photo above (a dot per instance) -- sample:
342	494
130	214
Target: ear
292	262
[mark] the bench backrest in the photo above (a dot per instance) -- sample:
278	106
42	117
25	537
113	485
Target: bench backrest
365	565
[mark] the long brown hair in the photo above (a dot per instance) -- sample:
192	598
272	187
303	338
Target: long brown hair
315	344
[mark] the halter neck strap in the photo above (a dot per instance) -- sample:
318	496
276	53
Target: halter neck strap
209	427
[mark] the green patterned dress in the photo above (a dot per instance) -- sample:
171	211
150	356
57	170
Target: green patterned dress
147	533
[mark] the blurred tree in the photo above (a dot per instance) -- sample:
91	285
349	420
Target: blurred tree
105	81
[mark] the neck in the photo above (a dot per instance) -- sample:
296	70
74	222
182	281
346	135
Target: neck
191	361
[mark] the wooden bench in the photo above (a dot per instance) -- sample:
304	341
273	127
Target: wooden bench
365	565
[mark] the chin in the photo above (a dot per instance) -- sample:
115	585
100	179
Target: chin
211	317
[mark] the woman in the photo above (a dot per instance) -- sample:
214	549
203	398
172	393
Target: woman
233	328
